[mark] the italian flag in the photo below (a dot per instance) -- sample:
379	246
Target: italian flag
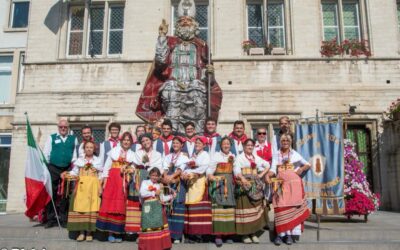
37	177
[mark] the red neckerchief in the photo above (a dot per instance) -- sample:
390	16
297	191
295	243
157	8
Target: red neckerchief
241	139
175	157
264	151
193	139
210	137
114	142
165	142
252	161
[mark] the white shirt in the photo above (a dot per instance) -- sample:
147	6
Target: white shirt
218	157
179	161
202	162
295	158
190	147
48	146
241	161
102	151
146	193
169	143
154	159
113	155
82	161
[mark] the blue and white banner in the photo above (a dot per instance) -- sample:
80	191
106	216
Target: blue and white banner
321	144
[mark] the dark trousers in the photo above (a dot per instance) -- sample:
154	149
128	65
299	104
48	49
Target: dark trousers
60	204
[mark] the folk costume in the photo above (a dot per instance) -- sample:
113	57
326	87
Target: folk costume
290	205
154	234
176	213
213	144
106	147
222	194
188	147
251	208
163	145
113	207
143	162
85	200
237	145
198	219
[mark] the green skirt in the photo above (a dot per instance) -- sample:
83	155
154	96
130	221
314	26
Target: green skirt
80	221
251	216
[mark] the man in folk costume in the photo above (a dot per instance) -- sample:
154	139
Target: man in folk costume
58	151
214	139
238	136
113	129
177	84
87	135
163	144
190	134
263	147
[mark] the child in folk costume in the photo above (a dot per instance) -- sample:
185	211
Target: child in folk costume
155	234
112	212
144	160
221	186
173	165
251	208
290	205
85	200
198	219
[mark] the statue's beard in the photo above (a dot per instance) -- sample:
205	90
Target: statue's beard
186	33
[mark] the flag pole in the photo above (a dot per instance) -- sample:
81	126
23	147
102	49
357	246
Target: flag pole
209	58
51	197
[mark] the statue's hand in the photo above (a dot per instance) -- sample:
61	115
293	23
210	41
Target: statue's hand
210	69
163	29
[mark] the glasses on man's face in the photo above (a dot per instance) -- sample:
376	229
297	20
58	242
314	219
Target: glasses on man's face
62	127
262	133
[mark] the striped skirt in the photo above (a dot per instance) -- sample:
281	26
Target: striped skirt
251	216
223	220
176	220
133	214
113	223
80	221
287	218
198	218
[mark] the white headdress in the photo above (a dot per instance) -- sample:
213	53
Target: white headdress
187	8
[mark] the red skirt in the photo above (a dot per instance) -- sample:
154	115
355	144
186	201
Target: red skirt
133	216
287	218
114	194
198	217
157	239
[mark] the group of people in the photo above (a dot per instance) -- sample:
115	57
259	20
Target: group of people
178	187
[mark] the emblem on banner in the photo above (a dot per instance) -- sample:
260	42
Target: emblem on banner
318	164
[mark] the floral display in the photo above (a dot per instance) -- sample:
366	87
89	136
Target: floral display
393	111
354	48
359	198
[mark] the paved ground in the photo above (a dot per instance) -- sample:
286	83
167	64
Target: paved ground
382	231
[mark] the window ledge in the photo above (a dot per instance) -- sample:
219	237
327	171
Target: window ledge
8	29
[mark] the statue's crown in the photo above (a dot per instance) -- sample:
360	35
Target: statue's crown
187	8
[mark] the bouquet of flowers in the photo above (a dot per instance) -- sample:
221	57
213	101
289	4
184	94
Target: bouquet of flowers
231	159
394	110
192	164
359	198
253	165
247	45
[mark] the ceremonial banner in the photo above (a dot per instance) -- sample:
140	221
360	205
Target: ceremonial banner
322	146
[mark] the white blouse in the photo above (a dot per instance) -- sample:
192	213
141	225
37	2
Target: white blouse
295	158
202	162
241	161
154	159
82	161
113	155
179	161
218	157
146	193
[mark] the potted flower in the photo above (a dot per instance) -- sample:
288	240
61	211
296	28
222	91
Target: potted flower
330	48
394	110
247	45
268	47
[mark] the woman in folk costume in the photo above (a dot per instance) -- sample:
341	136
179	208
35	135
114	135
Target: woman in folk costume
173	165
198	219
85	200
112	212
290	205
144	160
221	186
155	234
251	208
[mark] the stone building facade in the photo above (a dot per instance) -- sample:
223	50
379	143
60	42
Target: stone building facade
93	72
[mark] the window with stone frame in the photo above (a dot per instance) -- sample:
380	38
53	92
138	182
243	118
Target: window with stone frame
266	22
98	131
201	17
341	19
6	65
19	14
95	30
398	15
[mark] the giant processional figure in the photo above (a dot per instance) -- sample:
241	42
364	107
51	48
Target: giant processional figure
181	85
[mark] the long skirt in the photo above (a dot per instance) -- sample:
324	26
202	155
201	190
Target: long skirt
287	218
198	217
251	216
157	239
80	221
223	220
112	211
133	213
176	220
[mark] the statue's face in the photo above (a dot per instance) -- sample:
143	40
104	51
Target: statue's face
185	21
186	28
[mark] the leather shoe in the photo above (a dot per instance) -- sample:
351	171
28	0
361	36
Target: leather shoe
49	224
278	241
289	240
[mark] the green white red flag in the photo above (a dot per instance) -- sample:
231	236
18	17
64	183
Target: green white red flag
37	177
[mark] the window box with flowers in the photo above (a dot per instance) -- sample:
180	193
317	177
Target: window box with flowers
393	112
248	45
251	48
352	48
